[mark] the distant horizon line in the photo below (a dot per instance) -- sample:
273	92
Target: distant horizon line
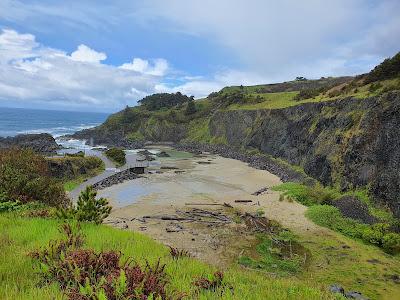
57	110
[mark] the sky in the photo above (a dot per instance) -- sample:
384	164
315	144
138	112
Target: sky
103	55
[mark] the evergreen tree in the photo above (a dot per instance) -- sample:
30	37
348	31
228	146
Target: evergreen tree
91	209
190	108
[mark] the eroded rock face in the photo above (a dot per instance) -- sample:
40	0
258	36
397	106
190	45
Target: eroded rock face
349	142
42	143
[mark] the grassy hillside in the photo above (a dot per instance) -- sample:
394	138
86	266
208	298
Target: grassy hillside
19	281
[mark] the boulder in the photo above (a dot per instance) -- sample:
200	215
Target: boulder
354	208
163	154
336	288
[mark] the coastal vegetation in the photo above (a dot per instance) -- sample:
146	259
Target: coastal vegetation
25	178
117	155
88	208
72	170
164	100
372	225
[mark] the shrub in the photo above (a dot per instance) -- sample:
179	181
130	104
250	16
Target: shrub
212	283
9	206
391	243
190	108
306	94
307	195
88	208
117	155
374	87
24	177
260	212
176	253
85	274
389	68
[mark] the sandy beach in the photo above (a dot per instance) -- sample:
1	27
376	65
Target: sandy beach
206	182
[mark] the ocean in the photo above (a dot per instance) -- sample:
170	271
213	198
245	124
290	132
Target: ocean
14	121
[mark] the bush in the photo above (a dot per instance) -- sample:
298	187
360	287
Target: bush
307	93
84	274
391	242
190	108
389	68
306	195
374	87
117	155
25	177
88	208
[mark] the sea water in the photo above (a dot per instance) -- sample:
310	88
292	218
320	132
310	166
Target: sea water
14	121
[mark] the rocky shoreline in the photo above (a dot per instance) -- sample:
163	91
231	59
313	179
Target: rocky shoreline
284	172
117	178
42	143
97	137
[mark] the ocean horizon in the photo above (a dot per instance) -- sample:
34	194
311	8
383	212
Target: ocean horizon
14	121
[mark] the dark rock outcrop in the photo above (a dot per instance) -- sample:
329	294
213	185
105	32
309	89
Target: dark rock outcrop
354	208
72	167
119	177
42	143
163	154
97	136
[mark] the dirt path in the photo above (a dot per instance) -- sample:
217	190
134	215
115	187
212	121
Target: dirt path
110	169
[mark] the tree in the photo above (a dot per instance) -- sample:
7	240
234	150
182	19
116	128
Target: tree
163	100
88	208
190	108
91	209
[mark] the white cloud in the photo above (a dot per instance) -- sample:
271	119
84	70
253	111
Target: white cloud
16	46
279	39
158	67
85	54
201	87
33	73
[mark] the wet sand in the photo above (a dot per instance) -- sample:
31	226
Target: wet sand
203	180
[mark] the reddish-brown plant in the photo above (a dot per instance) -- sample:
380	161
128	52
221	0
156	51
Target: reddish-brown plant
176	253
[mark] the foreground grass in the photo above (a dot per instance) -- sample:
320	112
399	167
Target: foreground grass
19	236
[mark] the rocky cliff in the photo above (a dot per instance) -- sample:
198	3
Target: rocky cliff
349	143
42	143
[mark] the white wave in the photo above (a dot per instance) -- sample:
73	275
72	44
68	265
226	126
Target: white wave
58	131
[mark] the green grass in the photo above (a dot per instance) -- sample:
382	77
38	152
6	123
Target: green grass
287	99
267	258
307	196
72	184
19	281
